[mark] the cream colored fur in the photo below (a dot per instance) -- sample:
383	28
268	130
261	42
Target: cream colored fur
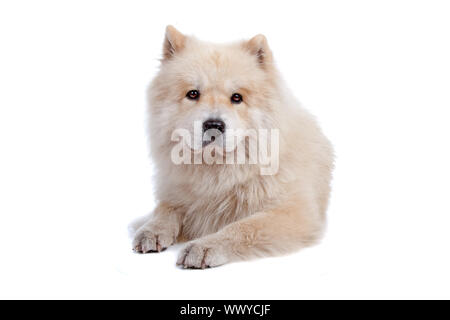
230	212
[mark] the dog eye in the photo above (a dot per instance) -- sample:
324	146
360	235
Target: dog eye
236	98
193	94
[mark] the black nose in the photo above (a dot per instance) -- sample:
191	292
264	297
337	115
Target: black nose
214	124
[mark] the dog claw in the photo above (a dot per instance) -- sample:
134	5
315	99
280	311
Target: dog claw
137	249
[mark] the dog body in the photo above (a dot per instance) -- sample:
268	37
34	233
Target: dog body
231	212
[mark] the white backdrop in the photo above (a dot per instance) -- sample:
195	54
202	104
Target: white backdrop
74	169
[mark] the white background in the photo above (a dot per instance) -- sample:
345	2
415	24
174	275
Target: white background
74	169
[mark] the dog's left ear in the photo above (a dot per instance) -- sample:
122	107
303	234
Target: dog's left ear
174	42
259	47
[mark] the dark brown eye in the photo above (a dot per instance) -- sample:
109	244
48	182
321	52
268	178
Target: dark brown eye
236	98
193	95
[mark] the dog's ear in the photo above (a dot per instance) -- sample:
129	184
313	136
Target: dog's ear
174	41
259	47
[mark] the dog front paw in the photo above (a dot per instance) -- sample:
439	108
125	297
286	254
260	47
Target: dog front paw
152	239
201	254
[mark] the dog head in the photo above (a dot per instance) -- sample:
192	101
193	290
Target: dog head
212	90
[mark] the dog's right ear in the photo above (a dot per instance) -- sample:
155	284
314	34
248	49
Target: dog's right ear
173	42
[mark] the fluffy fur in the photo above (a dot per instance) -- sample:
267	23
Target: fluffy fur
232	212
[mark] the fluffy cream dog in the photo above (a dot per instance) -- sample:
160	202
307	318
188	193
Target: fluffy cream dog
232	212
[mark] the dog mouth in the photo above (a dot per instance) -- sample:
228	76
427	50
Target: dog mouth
207	142
214	141
213	136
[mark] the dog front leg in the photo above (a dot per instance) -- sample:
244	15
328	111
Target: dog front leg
268	233
160	231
